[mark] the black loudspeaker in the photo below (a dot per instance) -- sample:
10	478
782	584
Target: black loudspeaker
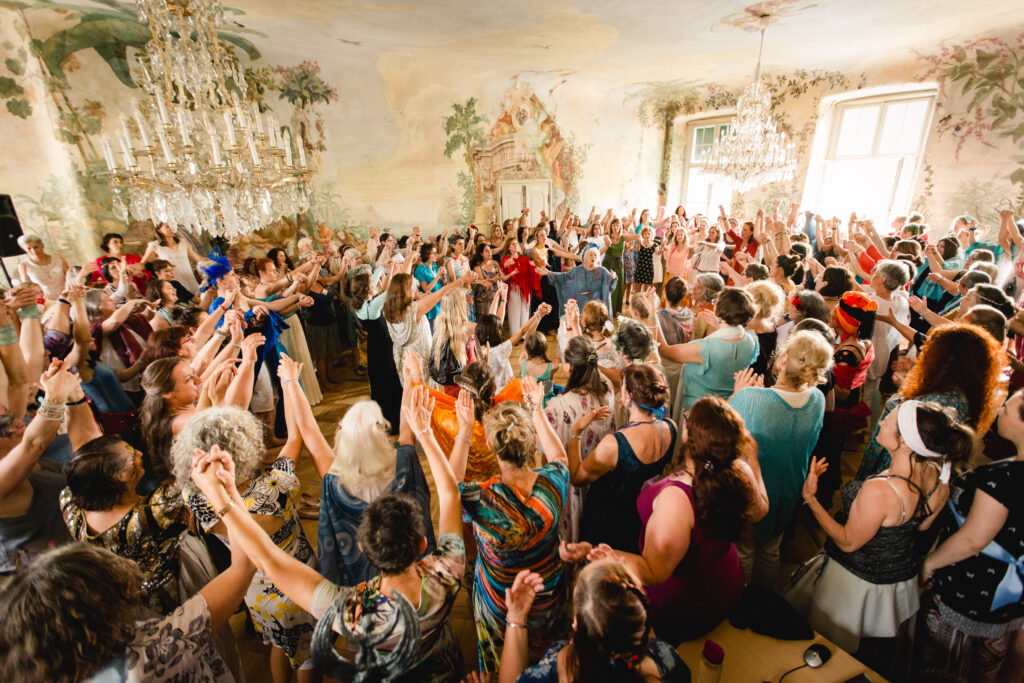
10	228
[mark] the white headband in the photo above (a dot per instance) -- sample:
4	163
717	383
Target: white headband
906	420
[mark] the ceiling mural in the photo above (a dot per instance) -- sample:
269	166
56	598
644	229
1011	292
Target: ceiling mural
370	85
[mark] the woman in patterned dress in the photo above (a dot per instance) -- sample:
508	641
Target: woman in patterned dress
515	518
586	390
269	489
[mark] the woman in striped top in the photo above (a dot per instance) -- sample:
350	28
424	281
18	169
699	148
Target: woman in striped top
515	518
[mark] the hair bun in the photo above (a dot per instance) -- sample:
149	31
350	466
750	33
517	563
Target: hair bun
591	358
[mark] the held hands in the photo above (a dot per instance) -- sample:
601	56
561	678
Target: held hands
218	382
519	596
58	381
816	469
214	474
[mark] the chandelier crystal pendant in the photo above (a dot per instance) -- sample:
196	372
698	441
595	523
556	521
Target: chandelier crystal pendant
753	152
197	152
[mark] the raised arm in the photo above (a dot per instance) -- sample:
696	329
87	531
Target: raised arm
601	461
240	392
214	474
428	301
547	438
531	324
305	423
417	413
866	514
58	383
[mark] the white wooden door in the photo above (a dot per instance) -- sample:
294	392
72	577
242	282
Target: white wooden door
517	195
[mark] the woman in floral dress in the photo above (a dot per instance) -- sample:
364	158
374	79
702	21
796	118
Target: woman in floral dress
269	490
585	391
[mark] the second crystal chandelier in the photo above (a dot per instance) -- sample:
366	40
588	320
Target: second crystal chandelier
200	155
753	152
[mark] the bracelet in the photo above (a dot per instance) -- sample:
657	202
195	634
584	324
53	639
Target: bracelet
8	335
65	302
30	312
289	379
469	439
575	436
227	508
78	402
289	278
515	625
237	346
422	431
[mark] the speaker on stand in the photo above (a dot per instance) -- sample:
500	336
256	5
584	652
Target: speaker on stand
10	231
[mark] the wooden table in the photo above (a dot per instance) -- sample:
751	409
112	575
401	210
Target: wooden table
753	658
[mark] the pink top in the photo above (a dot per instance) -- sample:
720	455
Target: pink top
677	260
703	588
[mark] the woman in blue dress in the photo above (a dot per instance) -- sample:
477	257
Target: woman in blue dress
584	283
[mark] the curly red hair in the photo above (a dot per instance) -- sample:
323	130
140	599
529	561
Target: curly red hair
960	357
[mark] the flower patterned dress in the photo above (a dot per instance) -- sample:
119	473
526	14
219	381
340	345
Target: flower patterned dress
273	492
172	648
440	575
562	412
148	535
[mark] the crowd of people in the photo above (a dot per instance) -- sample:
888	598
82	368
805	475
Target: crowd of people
686	386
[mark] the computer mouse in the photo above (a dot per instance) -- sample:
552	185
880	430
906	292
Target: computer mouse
816	655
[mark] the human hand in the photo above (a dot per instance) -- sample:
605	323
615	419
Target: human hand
574	552
214	473
533	393
543	310
601	552
249	346
519	596
587	419
747	378
374	233
817	468
305	301
710	319
261	311
287	369
934	278
918	304
464	412
418	410
229	299
58	382
218	381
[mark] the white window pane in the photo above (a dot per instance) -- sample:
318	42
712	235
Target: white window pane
861	185
857	131
902	128
697	187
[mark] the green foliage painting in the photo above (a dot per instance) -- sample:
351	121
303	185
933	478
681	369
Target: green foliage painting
464	128
109	27
989	73
11	90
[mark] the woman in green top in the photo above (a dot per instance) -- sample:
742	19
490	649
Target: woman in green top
613	248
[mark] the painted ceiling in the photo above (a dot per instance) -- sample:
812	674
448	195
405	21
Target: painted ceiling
623	42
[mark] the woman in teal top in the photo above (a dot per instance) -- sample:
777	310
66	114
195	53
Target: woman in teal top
710	364
785	421
428	275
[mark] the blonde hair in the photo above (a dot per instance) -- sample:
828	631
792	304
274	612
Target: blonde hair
364	457
808	358
768	298
510	433
593	318
450	327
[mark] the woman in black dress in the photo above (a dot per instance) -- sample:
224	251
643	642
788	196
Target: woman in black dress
367	300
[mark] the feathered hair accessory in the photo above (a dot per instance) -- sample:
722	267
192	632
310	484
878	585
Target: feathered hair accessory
214	269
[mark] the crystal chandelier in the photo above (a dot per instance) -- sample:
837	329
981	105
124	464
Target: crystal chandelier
200	155
753	152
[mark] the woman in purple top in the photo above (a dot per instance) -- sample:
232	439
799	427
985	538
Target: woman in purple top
691	519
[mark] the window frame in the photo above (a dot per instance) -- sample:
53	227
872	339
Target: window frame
691	127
